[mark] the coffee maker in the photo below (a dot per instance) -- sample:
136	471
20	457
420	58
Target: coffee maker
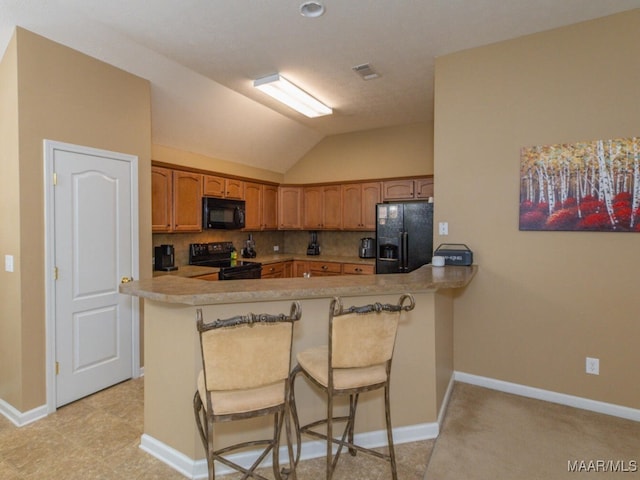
367	248
314	247
165	258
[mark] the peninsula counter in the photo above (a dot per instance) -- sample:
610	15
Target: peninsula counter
421	372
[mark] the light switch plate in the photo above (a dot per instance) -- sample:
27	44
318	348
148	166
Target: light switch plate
8	263
443	228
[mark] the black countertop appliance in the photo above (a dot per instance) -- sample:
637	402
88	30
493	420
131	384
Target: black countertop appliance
404	233
164	258
249	250
314	247
367	248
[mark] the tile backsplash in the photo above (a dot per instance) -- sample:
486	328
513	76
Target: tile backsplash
344	244
331	243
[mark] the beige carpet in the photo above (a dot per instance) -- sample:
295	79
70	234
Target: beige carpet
493	435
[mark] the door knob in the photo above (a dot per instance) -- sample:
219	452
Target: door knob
126	279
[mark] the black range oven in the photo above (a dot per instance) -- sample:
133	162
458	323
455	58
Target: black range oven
218	254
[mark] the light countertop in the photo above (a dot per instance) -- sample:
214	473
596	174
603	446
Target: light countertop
190	291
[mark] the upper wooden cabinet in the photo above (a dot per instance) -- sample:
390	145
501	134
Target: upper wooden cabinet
187	202
269	207
215	186
261	206
290	208
359	205
176	200
161	199
424	188
417	189
322	207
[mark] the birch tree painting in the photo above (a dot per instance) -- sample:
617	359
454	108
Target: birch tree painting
583	186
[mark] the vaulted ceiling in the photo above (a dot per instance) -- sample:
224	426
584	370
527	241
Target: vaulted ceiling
201	57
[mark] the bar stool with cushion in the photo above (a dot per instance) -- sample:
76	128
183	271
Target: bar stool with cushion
246	362
357	359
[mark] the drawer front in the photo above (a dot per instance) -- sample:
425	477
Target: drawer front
273	270
357	269
325	267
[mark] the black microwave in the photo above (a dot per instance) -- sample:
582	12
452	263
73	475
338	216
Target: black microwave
222	213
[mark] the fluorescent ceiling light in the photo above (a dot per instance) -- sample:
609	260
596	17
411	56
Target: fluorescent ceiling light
286	92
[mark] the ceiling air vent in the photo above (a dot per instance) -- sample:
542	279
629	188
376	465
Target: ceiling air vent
366	71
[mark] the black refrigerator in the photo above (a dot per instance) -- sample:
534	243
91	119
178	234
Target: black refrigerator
404	236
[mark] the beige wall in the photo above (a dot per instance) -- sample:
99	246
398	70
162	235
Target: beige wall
65	96
11	339
542	301
406	150
161	153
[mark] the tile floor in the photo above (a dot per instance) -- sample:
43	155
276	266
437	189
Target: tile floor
97	438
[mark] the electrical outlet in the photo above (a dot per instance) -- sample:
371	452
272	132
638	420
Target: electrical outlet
593	366
443	228
276	248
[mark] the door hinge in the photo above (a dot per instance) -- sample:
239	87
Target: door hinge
55	273
55	179
57	368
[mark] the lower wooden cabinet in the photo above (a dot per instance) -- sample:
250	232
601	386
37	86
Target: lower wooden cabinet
325	269
358	269
210	277
300	267
277	270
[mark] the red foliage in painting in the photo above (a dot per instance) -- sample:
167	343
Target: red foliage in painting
591	206
526	206
622	210
569	203
532	220
564	219
543	207
623	197
622	214
595	221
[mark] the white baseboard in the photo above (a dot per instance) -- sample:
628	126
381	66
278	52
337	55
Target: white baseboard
20	419
177	460
197	469
550	396
445	403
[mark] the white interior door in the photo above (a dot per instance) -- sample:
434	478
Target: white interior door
93	251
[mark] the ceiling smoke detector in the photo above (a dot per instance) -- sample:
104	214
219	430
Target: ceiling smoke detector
366	71
311	9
